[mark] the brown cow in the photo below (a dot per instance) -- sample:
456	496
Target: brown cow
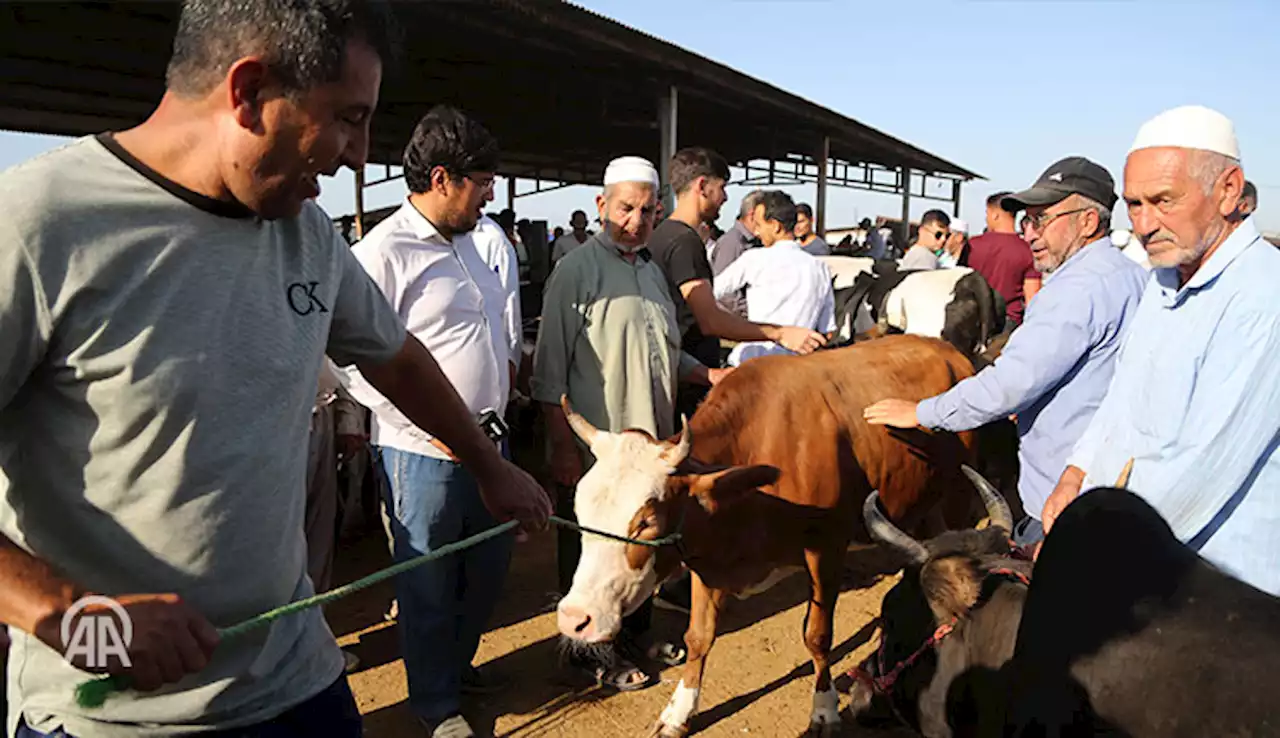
768	477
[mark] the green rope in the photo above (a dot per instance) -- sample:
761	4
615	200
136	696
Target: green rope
94	692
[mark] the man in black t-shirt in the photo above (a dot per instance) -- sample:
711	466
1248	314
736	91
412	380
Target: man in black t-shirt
698	177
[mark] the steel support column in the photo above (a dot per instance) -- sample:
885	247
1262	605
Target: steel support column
906	206
511	194
668	128
360	203
955	195
820	206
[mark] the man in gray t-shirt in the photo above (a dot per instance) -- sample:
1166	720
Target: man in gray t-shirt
169	295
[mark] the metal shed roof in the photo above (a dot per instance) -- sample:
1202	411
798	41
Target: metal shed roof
564	89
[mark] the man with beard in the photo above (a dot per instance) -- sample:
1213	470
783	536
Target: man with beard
1056	368
170	292
1194	408
609	342
425	260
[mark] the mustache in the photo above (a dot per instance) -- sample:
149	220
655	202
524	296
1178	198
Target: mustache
1159	236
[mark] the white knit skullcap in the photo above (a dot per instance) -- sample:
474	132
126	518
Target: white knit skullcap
959	226
1189	127
631	169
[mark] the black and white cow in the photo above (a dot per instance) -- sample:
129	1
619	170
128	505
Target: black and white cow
956	305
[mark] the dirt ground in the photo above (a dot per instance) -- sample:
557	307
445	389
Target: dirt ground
759	677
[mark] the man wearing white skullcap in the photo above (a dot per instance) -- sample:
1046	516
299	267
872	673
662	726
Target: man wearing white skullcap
609	342
953	251
1195	401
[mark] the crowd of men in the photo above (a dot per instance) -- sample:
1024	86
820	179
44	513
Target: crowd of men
173	292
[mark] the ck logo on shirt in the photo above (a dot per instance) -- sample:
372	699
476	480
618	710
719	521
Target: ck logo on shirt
302	298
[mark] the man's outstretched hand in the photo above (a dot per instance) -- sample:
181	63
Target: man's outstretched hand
895	413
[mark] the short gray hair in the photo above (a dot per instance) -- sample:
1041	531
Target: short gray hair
1104	212
1205	167
749	203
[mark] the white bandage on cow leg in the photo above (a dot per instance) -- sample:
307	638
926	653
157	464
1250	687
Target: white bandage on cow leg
681	706
826	708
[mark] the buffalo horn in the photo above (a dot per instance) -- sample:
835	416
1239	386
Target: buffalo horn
889	534
677	452
580	425
997	509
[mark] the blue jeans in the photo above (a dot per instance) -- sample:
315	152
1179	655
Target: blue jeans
1028	531
445	604
333	712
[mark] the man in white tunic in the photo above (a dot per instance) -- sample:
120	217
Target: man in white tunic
610	343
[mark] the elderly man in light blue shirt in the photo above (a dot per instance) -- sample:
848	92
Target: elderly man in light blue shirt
1195	401
1056	367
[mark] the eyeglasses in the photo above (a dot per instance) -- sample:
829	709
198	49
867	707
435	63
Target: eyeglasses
484	183
1042	221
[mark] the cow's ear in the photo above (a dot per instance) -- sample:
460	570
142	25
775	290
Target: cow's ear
952	585
714	491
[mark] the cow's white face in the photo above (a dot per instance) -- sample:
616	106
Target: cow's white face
624	493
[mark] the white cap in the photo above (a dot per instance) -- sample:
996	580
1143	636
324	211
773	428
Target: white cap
959	225
631	169
1189	127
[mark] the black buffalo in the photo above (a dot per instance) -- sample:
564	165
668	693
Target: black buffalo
1124	631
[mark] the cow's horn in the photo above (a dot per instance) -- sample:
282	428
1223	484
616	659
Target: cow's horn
997	509
584	429
889	534
677	452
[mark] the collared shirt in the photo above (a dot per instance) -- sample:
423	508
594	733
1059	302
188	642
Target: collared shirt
1055	369
784	286
453	302
1195	402
734	243
609	341
498	252
918	257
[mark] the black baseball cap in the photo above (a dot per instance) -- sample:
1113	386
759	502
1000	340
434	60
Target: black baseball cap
1074	175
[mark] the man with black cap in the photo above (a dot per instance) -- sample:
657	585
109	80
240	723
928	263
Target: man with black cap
1056	368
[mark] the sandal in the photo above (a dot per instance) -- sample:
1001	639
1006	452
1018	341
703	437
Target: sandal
617	673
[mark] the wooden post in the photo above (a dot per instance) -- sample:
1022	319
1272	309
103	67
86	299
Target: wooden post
511	193
820	205
360	203
955	194
668	130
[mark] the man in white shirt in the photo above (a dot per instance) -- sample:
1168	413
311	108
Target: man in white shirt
425	260
573	239
935	227
784	284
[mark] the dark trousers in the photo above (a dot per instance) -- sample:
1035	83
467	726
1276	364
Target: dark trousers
569	550
332	713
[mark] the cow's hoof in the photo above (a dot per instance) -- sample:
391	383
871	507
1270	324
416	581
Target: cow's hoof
662	730
823	730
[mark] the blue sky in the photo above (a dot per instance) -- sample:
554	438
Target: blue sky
1001	87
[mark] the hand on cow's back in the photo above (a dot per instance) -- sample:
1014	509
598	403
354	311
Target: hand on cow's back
892	412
